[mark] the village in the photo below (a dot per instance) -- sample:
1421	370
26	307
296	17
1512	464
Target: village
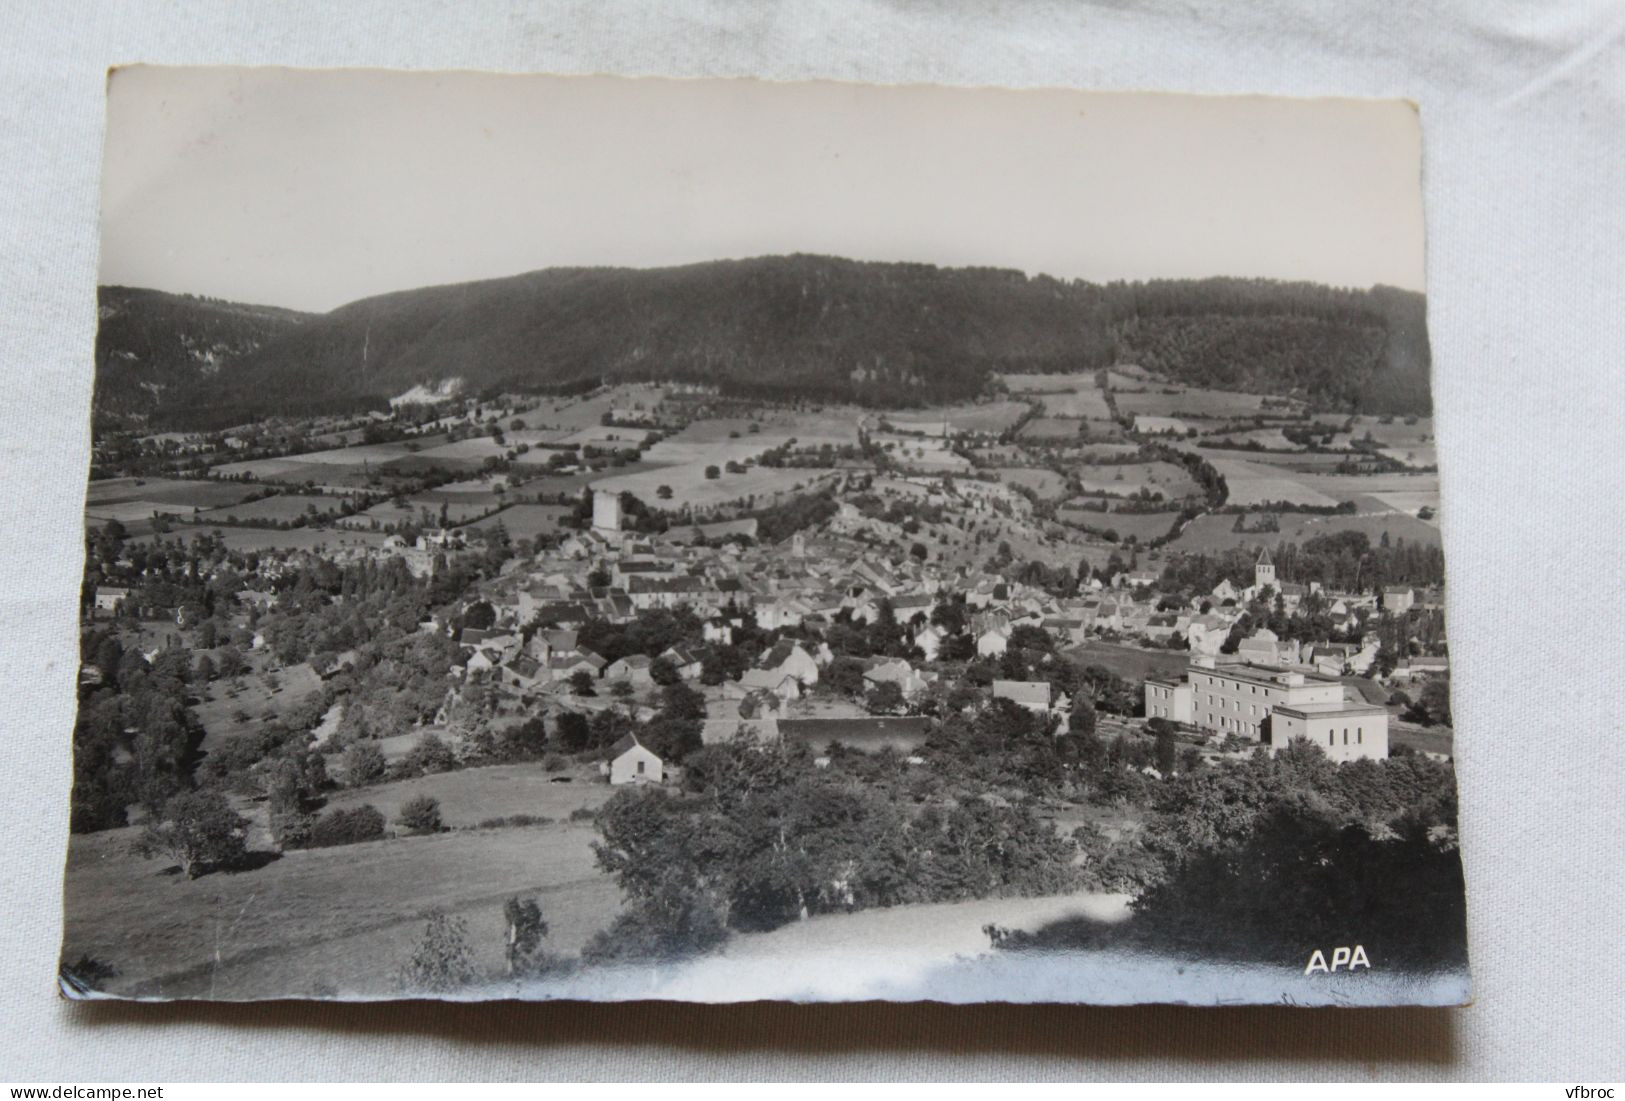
906	610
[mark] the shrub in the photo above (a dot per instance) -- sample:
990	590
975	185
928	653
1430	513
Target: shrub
347	827
443	960
583	814
428	756
421	814
364	764
514	820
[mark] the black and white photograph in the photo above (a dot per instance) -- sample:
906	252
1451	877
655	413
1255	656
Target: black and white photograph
720	540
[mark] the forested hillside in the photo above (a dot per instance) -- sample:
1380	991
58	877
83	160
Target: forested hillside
799	326
812	327
1363	351
154	350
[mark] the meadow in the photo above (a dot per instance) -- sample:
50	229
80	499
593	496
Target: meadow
526	521
1041	480
1143	526
1052	428
230	708
324	920
1128	478
284	507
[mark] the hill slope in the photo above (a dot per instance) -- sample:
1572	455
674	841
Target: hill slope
825	329
155	350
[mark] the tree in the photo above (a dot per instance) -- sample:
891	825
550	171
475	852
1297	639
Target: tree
199	831
1167	752
581	682
664	493
713	472
421	814
443	960
526	931
663	672
572	731
1083	720
885	698
364	764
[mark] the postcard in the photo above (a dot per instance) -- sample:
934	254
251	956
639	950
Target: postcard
718	540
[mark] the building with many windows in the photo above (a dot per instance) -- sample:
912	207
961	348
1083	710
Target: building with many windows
1271	704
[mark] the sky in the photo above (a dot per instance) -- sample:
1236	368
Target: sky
310	189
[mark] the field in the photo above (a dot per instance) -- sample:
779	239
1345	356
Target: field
1215	532
217	710
1074	395
1129	478
526	521
993	416
1051	428
286	506
932	455
1144	526
691	487
1214	403
1130	662
255	539
350	915
133	500
183	494
1255	483
1041	480
1149	424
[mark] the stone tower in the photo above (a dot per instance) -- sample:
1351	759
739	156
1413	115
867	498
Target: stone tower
1264	571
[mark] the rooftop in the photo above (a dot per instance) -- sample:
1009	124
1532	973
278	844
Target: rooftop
1321	710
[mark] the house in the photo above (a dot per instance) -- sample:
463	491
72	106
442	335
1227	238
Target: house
1162	626
1066	629
899	672
687	663
992	642
1263	646
633	668
483	659
565	666
631	762
929	639
525	672
782	685
1034	695
789	658
1411	668
110	598
1398	599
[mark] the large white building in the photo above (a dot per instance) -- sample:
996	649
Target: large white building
1237	698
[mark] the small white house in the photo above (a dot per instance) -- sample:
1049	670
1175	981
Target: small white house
631	762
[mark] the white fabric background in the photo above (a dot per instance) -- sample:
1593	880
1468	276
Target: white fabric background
1525	194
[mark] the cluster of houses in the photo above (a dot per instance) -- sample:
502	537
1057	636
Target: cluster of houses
1268	687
